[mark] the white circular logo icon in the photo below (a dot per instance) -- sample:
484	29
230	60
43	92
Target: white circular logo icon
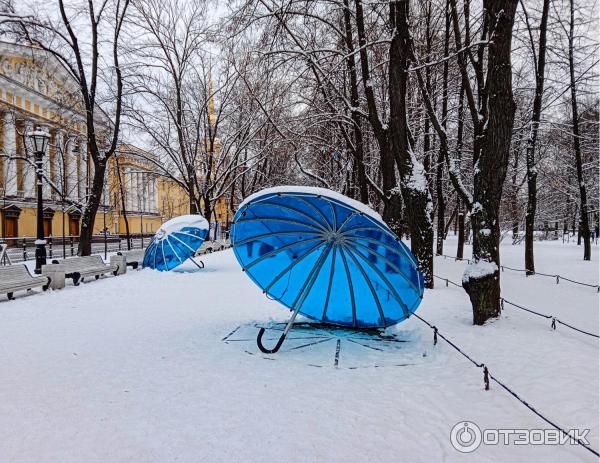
465	436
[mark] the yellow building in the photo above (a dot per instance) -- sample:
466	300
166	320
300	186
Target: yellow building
35	90
139	193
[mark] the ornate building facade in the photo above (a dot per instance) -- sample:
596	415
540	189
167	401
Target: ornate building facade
35	90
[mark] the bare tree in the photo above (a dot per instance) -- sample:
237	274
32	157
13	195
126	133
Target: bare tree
540	69
583	203
77	40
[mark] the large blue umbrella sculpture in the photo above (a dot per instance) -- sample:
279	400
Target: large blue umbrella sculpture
175	242
326	256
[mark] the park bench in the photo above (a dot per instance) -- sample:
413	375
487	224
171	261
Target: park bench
17	278
134	259
78	268
212	246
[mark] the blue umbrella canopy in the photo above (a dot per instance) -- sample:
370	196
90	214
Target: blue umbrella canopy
326	256
176	241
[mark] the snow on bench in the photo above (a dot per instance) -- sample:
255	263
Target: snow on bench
78	268
17	278
133	258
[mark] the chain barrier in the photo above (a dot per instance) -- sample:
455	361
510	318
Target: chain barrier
487	376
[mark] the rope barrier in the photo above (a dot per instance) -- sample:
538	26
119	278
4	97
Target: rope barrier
555	320
487	376
556	276
446	256
529	273
448	281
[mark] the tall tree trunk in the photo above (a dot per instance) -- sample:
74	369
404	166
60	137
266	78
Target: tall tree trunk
89	213
460	245
481	279
427	148
584	223
194	209
208	210
355	103
531	141
461	229
393	206
514	195
439	186
393	203
415	193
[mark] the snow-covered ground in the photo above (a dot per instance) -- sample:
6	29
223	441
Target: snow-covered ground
134	369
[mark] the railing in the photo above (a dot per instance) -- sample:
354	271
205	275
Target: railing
21	249
527	273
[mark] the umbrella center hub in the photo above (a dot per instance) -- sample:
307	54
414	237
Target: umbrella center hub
333	237
160	234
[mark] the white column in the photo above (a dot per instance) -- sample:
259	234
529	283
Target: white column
10	146
58	166
145	194
28	169
46	165
153	199
138	191
72	187
128	189
82	169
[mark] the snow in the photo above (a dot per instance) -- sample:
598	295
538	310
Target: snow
479	269
311	190
176	223
417	180
132	369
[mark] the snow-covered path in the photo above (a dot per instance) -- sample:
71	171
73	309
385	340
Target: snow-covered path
132	369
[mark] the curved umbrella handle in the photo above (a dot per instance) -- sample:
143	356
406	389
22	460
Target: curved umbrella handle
263	348
197	264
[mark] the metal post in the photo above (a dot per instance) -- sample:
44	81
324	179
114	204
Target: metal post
40	242
64	244
105	231
142	228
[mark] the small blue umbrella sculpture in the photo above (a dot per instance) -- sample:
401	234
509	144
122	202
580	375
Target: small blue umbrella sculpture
327	257
175	242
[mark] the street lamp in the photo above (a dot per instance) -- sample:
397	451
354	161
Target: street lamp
39	138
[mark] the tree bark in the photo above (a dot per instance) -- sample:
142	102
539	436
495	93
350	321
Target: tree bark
439	186
89	213
584	223
355	103
88	93
531	141
415	192
481	279
393	203
460	246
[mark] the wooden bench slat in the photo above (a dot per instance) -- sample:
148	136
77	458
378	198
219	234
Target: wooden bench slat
17	278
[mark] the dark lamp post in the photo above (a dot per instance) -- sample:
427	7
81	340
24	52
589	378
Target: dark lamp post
39	138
